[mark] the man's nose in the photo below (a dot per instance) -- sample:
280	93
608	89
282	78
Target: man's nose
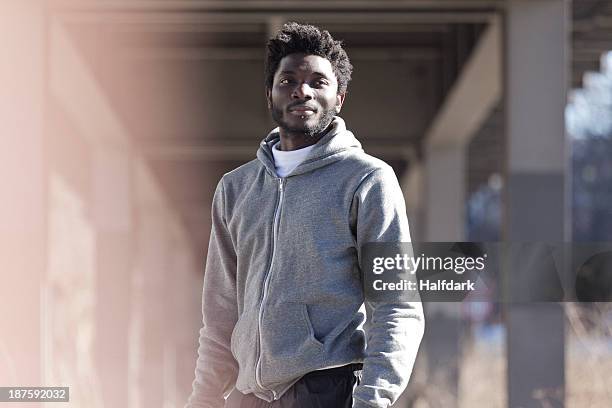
302	91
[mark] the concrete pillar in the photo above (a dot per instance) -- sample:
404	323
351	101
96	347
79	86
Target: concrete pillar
445	178
23	195
149	294
445	188
112	202
75	92
413	187
536	84
187	275
178	262
467	105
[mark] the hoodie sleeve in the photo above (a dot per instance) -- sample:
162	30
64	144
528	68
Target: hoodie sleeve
216	369
393	328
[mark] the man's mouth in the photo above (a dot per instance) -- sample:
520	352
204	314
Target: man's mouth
302	111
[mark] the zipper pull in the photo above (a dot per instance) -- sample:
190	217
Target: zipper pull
280	184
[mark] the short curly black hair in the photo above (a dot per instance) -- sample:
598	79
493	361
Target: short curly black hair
308	39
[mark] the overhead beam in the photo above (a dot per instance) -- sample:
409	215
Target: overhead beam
257	54
255	28
320	16
272	5
476	92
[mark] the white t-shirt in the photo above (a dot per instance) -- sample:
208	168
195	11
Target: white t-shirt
286	161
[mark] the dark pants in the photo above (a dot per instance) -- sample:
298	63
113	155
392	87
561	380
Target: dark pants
331	388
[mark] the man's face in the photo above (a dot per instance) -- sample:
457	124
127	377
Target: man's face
304	96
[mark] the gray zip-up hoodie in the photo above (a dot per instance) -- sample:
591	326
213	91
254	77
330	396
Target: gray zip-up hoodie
282	287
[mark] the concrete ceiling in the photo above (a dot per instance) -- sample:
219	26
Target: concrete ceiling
186	76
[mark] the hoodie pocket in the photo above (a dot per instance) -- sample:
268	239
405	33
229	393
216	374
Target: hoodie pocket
308	324
289	346
287	331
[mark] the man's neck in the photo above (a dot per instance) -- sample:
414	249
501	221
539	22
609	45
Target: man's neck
294	141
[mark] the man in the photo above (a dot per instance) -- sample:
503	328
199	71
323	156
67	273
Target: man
283	301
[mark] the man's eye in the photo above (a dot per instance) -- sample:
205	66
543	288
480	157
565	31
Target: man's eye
284	81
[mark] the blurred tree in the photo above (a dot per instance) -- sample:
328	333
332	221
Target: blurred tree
589	125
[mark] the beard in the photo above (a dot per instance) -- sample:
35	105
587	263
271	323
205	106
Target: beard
308	130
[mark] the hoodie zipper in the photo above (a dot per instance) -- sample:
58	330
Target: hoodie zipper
266	282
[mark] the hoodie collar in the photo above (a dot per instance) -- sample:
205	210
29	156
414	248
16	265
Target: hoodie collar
335	145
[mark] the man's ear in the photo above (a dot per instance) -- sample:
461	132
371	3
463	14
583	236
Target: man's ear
339	101
269	97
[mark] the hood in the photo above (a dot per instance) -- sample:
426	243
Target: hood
335	145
